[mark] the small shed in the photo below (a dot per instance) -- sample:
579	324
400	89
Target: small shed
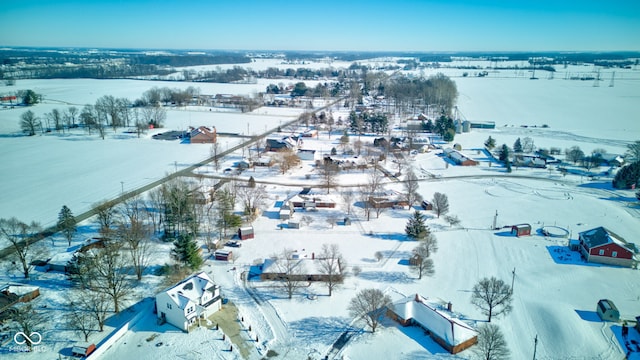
521	230
83	349
245	233
224	255
347	221
293	225
574	245
426	205
607	310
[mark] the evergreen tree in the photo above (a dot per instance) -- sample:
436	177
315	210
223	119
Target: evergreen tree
628	176
504	152
416	228
67	223
252	182
186	251
517	146
490	143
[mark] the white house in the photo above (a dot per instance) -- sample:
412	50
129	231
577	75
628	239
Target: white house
450	332
192	298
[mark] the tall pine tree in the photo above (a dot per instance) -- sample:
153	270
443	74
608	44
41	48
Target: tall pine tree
67	223
186	251
416	228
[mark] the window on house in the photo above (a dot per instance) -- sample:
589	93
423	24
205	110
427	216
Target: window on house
614	254
601	252
168	306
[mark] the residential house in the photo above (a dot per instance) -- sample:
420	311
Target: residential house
11	294
387	199
308	155
451	333
311	200
305	267
203	135
191	299
601	246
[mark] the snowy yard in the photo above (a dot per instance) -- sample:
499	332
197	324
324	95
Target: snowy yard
555	291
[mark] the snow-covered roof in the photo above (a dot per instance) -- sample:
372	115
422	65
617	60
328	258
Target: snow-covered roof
439	321
18	289
600	236
62	258
190	289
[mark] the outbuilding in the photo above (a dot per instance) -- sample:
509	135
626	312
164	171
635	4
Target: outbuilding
245	233
521	230
224	255
607	310
83	349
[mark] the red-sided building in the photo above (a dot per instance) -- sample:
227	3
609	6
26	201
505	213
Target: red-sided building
601	246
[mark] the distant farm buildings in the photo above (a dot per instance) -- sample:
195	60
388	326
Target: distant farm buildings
458	157
203	135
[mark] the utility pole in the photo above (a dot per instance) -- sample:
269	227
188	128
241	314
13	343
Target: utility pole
535	346
513	277
121	187
495	219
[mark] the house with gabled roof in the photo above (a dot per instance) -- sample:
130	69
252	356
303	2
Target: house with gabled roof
602	246
203	135
195	297
453	334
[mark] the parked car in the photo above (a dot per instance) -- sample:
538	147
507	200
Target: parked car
233	244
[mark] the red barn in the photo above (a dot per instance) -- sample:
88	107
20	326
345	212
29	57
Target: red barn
521	230
224	255
245	233
601	246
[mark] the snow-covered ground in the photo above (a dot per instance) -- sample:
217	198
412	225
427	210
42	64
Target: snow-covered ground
555	293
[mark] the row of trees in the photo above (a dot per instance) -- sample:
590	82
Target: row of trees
108	111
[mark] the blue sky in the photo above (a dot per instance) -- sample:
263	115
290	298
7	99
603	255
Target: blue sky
402	25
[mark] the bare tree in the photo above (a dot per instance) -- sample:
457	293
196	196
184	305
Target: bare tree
22	237
215	150
79	318
347	197
492	296
154	207
290	272
135	235
107	216
27	320
252	199
329	172
453	220
378	255
371	306
369	190
491	344
29	122
71	115
411	186
440	204
104	271
332	265
421	262
527	145
286	160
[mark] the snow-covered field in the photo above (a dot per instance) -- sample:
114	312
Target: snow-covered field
555	293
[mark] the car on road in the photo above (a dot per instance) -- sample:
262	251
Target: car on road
233	244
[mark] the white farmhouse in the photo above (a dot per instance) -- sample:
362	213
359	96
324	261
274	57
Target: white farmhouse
192	298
